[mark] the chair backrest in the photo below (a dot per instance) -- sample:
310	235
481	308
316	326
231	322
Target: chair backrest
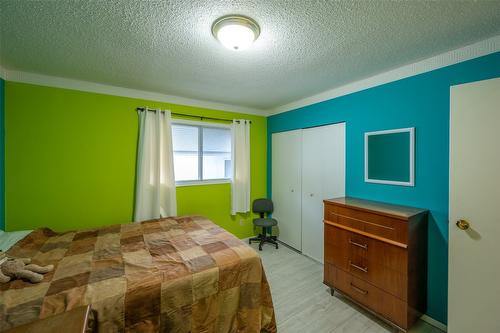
262	206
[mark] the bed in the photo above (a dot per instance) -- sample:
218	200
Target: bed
182	274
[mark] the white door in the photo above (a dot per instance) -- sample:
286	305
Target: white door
286	186
474	264
323	177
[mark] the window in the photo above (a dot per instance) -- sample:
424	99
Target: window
201	152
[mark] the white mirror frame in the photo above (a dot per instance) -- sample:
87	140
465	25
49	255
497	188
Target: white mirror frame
411	182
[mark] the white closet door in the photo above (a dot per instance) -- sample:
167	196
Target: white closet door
286	185
323	177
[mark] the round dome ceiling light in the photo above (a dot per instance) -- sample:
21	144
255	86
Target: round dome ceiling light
236	32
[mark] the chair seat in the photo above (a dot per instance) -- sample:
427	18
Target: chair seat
265	222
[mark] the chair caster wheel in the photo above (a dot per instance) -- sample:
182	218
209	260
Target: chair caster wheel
276	246
260	248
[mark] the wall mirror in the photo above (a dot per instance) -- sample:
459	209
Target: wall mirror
390	157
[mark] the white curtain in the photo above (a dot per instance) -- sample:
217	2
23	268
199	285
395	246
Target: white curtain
240	185
155	186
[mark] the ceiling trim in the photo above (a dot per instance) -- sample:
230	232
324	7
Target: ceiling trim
60	82
482	48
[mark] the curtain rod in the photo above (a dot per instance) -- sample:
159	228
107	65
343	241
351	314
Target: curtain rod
193	116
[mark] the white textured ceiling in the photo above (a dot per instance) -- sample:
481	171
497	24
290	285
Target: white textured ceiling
305	47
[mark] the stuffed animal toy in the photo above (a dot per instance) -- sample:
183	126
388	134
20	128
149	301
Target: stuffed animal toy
12	268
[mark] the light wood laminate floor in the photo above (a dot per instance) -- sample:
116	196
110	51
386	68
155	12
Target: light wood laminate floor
303	303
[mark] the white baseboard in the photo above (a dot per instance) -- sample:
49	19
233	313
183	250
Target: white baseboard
434	322
3	73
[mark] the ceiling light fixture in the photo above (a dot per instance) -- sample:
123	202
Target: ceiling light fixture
236	32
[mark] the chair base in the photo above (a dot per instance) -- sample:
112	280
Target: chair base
263	238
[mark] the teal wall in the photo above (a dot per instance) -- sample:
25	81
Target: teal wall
423	102
2	155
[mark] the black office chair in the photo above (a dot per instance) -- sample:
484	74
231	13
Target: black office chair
263	207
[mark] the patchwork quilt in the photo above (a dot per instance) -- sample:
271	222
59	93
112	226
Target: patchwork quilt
182	274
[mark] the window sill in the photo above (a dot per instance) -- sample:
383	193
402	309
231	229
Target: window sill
202	182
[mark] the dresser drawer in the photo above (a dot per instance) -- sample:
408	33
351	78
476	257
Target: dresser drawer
368	295
356	245
377	225
381	264
384	278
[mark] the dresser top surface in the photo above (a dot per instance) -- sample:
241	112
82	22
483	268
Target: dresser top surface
397	211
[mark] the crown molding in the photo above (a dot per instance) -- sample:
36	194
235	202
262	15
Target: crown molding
482	48
60	82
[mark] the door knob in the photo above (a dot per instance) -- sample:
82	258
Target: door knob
463	224
311	195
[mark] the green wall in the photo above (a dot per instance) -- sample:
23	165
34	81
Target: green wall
2	155
70	161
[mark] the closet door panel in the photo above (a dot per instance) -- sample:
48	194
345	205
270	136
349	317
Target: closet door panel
312	149
286	186
323	177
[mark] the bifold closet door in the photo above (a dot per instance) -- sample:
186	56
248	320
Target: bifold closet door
323	177
286	185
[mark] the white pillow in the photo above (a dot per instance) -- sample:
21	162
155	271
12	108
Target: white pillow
8	239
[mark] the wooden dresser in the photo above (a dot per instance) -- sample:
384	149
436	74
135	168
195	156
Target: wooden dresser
376	255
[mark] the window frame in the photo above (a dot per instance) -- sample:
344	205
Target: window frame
200	125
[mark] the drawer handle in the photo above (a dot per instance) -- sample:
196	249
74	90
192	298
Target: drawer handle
364	269
363	246
359	290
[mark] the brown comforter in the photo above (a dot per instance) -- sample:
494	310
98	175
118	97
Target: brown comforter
181	274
